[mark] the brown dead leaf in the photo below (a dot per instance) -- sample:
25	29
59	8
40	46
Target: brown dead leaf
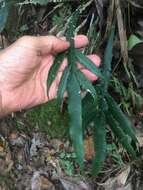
73	184
1	148
122	32
89	148
40	182
46	184
127	187
110	17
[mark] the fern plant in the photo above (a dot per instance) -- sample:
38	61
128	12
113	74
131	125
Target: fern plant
98	106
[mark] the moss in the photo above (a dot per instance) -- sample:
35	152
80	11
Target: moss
47	118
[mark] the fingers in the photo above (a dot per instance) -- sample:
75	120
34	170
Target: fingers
51	44
81	41
44	44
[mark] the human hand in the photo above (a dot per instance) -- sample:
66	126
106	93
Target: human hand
24	68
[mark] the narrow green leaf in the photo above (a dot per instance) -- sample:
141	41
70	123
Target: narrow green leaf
132	41
72	59
70	37
63	82
99	142
3	15
87	63
54	69
85	83
75	112
123	138
71	27
88	110
120	117
108	55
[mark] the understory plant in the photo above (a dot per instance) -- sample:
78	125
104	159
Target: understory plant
98	106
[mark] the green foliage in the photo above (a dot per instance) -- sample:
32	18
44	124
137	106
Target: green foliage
112	150
114	117
118	115
87	63
104	111
133	40
67	161
54	69
63	83
73	81
131	99
120	134
99	142
85	83
59	17
75	112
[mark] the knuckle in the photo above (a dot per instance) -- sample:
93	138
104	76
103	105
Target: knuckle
24	39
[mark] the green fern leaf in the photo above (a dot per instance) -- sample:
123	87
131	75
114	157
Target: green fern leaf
63	83
119	116
54	69
75	112
108	55
85	83
123	138
88	63
74	97
99	142
71	27
88	110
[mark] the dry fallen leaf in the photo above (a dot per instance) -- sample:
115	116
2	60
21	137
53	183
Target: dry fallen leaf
89	148
40	182
122	177
46	184
127	187
122	31
1	148
69	184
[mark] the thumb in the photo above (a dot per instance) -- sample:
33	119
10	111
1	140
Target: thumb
46	44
